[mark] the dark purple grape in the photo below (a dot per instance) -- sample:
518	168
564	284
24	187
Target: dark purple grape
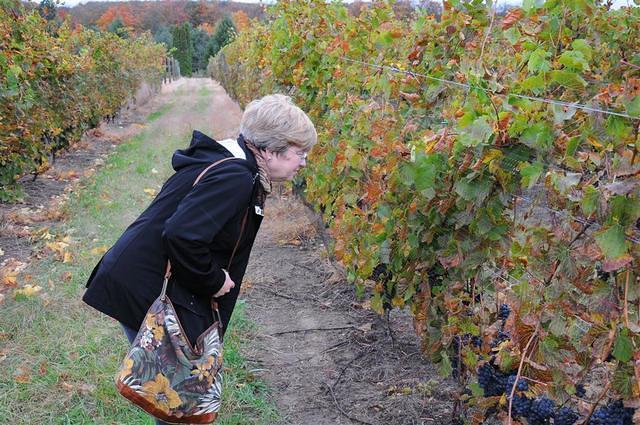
491	380
541	410
521	405
565	416
613	413
522	384
504	312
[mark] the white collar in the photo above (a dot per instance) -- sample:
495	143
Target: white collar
233	147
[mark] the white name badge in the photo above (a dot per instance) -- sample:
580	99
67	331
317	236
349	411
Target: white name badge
259	211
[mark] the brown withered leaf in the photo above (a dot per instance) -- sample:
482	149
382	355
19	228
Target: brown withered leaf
10	280
450	261
410	97
511	18
66	386
22	375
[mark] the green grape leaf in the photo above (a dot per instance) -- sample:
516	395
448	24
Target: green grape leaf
612	241
623	347
583	47
589	202
568	79
531	173
538	61
633	107
575	60
538	136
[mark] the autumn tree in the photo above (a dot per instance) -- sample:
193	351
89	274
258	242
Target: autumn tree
121	12
240	20
183	48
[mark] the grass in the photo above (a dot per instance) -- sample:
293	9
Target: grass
159	112
58	357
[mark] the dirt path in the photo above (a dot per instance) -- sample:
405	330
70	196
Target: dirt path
327	359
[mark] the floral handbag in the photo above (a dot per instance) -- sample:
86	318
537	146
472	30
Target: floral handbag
163	373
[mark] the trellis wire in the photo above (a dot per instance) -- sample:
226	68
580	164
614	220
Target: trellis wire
471	87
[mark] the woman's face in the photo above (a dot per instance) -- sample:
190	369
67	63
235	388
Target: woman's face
284	166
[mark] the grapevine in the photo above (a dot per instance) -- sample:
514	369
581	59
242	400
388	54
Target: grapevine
491	165
56	84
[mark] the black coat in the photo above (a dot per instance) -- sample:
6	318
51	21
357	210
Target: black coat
196	228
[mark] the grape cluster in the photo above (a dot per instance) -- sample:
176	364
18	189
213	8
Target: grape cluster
565	416
491	380
522	384
504	312
613	413
541	410
521	405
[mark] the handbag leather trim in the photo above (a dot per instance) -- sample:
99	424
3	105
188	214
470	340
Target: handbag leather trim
148	407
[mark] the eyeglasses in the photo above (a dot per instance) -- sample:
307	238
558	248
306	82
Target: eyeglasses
301	154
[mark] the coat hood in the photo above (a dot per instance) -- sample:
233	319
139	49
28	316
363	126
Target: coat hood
204	150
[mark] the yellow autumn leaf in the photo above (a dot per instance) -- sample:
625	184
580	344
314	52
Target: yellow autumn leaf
99	250
66	257
150	191
397	301
27	291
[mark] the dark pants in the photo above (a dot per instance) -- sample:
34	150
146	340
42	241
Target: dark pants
131	335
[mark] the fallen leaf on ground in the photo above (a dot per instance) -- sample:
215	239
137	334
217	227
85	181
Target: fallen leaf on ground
66	276
27	291
9	280
22	375
99	250
150	192
154	171
42	369
66	386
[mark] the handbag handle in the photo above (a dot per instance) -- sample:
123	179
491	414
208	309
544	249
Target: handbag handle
167	273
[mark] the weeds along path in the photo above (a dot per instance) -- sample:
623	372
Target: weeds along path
58	357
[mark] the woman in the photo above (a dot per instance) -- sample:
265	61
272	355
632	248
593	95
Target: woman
197	227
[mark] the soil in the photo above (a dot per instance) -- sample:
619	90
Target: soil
327	358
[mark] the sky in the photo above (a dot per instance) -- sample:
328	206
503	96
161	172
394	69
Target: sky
617	3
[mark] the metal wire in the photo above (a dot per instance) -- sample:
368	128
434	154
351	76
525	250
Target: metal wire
469	87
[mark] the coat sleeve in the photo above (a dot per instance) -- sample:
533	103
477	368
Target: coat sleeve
221	194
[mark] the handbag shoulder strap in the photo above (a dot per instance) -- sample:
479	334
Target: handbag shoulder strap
167	273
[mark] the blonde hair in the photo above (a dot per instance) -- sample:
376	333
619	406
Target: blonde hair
273	122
